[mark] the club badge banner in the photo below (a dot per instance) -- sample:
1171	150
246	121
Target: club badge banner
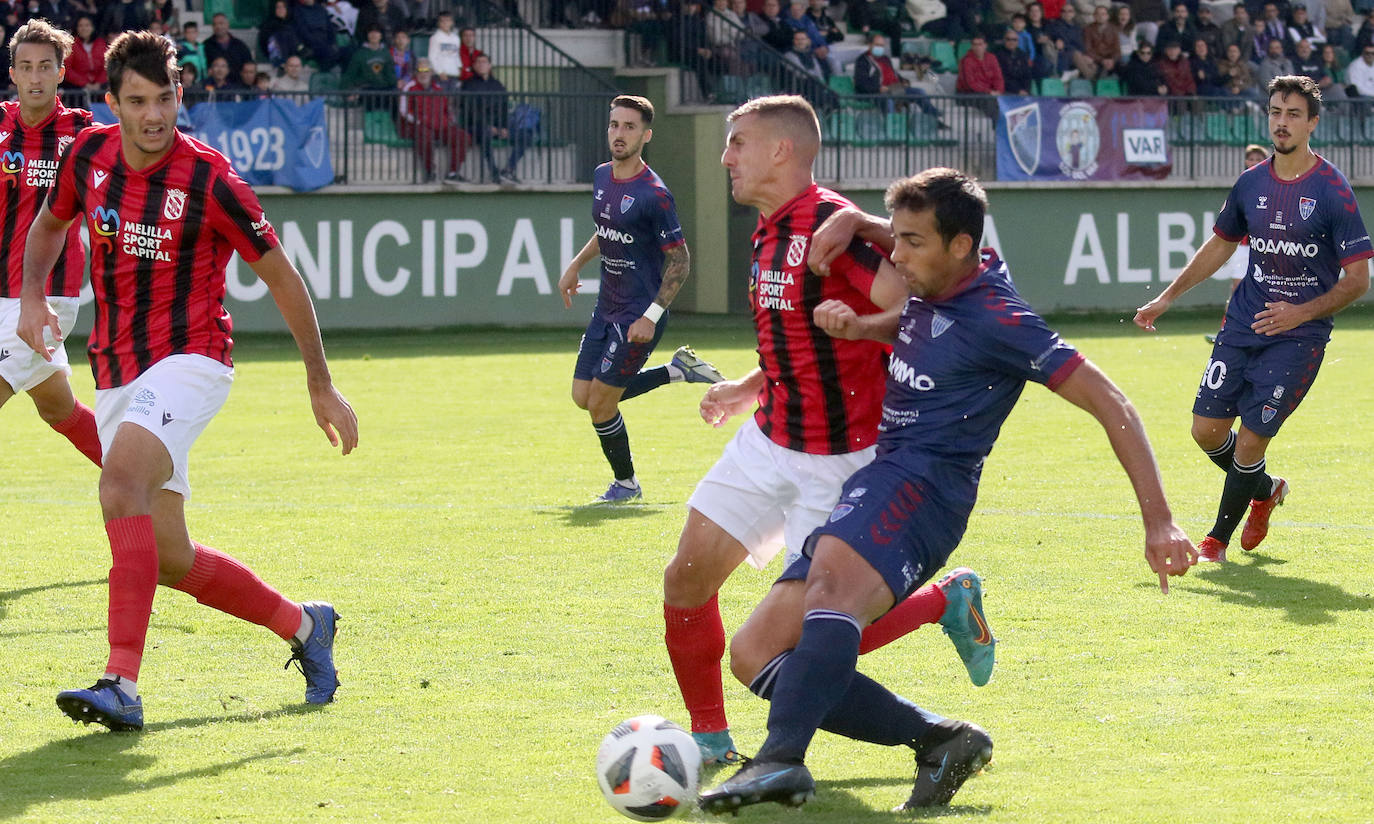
1047	138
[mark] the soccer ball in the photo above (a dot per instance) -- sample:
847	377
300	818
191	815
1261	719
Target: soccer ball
648	768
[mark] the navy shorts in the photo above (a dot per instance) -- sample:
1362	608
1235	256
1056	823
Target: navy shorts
606	355
1260	384
893	516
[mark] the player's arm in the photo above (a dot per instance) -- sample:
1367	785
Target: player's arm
1206	261
677	263
839	230
889	292
1167	548
46	237
332	412
568	283
1280	316
734	397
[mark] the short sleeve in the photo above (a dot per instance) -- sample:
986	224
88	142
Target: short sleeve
1230	223
1023	345
666	224
236	214
1348	232
62	197
858	265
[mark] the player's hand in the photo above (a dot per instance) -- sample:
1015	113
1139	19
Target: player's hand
1169	552
834	236
1146	315
35	319
838	319
725	399
1278	316
641	331
335	417
568	285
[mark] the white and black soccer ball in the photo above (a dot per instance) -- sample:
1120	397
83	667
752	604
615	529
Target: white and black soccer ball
649	768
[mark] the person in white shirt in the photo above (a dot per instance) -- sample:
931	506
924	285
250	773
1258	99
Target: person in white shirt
445	51
1360	73
294	77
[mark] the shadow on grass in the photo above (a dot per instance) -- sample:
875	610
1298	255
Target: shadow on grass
1249	583
595	514
100	765
833	804
15	594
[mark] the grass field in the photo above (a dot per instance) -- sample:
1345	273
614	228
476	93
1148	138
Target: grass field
493	630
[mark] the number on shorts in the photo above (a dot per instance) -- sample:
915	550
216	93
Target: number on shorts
1215	375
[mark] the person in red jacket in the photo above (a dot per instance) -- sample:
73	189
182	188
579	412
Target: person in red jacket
979	72
425	118
86	65
1177	71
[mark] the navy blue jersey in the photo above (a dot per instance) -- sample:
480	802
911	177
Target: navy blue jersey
1302	232
958	367
636	221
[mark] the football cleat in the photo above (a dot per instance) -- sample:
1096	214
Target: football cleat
315	658
717	748
1211	551
788	784
1257	524
694	368
951	752
1210	338
966	625
618	493
104	703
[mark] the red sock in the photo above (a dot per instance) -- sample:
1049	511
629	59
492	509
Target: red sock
79	428
217	580
133	580
924	606
696	645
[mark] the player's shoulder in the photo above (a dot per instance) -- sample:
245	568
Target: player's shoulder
602	172
820	195
81	118
1333	177
9	110
95	138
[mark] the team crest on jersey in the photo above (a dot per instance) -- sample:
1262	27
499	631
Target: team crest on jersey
840	511
605	364
1267	413
626	201
12	163
63	142
796	250
174	205
1305	207
939	324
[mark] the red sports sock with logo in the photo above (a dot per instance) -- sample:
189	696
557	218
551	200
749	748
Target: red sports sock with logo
218	581
79	428
924	606
133	580
695	638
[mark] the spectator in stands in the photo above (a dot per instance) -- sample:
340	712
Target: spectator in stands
426	119
467	51
1236	30
76	8
874	74
1014	63
223	44
803	57
1274	64
444	48
1149	16
1206	76
819	12
1274	27
1068	39
402	57
248	81
1127	32
1365	35
344	16
1140	77
1000	11
690	47
1259	41
799	20
1307	62
316	32
1176	71
979	71
1045	58
725	31
86	63
776	32
371	71
1237	73
294	76
1101	46
486	115
277	37
384	14
218	78
1300	27
125	15
1207	28
876	15
50	10
1332	65
1339	22
1360	73
1178	30
1024	40
192	85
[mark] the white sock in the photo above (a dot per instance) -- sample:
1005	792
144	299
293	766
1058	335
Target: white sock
629	483
307	627
675	374
129	688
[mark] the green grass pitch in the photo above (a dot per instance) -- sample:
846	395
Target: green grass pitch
493	630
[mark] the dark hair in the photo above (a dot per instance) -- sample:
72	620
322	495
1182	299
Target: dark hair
1304	87
150	56
960	204
639	104
43	33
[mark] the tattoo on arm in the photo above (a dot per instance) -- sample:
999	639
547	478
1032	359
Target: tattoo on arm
677	263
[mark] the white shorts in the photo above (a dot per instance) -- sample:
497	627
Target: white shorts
175	400
766	496
21	367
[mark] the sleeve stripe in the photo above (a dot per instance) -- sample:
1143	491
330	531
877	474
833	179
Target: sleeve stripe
1062	373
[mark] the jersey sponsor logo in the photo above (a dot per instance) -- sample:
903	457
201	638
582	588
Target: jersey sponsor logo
1305	206
175	204
770	286
614	234
145	240
796	250
903	372
626	201
12	163
62	143
106	225
261	225
1267	413
939	324
1283	247
98	178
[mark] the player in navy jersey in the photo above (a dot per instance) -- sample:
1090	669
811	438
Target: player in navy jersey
644	262
964	347
165	213
1309	258
816	422
35	130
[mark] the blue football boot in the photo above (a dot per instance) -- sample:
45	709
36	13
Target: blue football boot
966	625
315	658
618	493
104	703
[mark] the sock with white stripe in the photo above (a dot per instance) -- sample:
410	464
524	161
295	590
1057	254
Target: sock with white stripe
810	683
1243	483
615	445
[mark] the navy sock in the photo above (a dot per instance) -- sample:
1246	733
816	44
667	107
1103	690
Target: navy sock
1222	456
645	381
867	712
810	683
1242	484
615	445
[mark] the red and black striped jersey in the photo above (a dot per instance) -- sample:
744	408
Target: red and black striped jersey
160	240
29	157
823	395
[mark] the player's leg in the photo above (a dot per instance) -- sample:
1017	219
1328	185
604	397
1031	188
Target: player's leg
605	363
685	366
24	370
603	405
1214	411
73	420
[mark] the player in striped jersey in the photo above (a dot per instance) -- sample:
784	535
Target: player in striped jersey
165	213
35	130
819	402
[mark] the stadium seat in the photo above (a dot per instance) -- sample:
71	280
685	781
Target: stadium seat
841	84
242	14
962	49
419	45
870	127
731	89
1080	87
1108	87
1052	87
896	129
923	128
378	127
942	53
1216	128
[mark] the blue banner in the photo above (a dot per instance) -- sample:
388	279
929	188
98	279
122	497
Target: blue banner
1050	138
270	142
